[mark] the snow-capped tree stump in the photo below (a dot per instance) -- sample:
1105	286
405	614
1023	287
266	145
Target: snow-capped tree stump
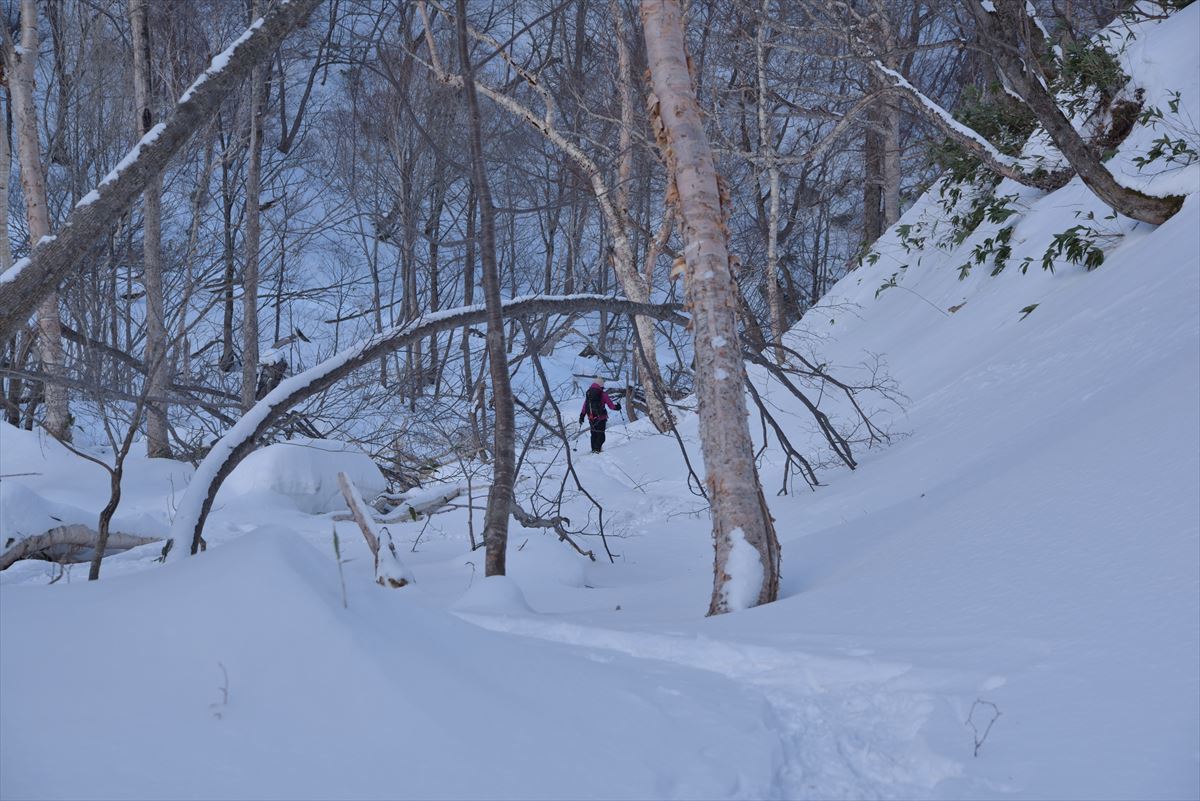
69	539
389	570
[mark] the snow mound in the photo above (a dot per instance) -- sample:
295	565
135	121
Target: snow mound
305	470
271	688
494	595
24	513
543	559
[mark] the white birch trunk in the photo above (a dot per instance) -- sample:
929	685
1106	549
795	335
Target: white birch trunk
33	184
746	563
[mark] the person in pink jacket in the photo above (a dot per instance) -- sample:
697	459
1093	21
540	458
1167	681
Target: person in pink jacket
594	403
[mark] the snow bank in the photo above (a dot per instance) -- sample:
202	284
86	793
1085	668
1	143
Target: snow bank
305	471
44	485
494	595
269	688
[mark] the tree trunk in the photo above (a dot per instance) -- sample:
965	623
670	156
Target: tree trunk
158	367
21	65
5	170
253	230
499	501
746	563
50	261
12	385
766	137
1004	32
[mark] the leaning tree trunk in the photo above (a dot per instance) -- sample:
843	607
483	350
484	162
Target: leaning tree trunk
746	565
158	376
500	495
1005	32
21	63
32	279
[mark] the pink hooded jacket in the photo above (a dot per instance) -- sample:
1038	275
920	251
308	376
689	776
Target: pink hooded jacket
604	397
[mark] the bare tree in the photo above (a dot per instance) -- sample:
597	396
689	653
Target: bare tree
159	376
28	282
254	146
746	563
500	496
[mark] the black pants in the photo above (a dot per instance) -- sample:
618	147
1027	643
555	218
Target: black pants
598	433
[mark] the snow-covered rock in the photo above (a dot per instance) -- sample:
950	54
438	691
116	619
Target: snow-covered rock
305	470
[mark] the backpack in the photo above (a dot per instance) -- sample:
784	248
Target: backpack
595	403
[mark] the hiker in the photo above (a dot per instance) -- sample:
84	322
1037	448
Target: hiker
593	408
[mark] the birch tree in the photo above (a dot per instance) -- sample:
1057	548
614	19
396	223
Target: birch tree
766	136
616	220
20	64
746	561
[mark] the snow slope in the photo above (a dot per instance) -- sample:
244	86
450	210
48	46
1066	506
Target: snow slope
1030	539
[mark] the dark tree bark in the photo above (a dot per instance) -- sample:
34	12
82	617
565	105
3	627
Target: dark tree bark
499	502
1006	33
159	377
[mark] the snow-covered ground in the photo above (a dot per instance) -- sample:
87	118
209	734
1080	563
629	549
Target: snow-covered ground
1028	545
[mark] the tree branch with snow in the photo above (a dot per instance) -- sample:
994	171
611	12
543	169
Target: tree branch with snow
243	438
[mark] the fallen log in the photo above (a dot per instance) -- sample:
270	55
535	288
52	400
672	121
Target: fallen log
71	542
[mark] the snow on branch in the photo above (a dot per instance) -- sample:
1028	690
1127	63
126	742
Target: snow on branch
241	440
51	260
1002	164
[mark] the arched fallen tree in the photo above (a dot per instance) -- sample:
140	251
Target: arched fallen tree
242	439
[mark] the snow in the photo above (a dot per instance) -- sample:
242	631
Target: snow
494	595
383	699
220	61
948	119
741	589
304	471
150	137
1030	539
43	485
10	275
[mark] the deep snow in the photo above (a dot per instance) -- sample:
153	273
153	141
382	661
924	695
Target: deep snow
1030	539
